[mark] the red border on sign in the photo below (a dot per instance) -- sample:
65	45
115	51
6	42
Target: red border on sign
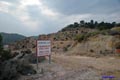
37	49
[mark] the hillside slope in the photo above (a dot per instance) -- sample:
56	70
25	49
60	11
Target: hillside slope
10	37
99	45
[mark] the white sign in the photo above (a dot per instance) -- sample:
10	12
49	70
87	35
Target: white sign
43	47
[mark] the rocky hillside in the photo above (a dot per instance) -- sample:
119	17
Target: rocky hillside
96	46
27	44
60	40
81	39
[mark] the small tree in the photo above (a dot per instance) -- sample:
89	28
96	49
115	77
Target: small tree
1	43
82	22
76	25
4	55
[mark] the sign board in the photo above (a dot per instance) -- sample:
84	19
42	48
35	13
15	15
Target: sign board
43	47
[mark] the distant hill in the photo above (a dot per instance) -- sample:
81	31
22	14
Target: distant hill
11	37
35	37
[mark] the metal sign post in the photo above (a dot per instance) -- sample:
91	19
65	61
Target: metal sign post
43	49
37	63
37	57
49	59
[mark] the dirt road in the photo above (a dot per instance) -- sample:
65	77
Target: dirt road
77	68
105	63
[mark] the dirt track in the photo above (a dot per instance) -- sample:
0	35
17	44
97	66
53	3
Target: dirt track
105	63
78	68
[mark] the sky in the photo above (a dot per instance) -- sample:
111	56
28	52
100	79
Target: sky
34	17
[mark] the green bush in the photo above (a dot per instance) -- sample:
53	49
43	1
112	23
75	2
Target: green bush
104	32
80	38
118	47
93	33
65	49
54	46
91	50
12	69
5	55
84	37
25	68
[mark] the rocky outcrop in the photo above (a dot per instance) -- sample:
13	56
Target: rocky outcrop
100	45
24	45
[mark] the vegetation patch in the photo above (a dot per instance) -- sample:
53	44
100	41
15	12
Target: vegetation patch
10	68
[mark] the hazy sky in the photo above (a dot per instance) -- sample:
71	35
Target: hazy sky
34	17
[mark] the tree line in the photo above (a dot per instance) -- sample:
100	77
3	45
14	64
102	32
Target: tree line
93	25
